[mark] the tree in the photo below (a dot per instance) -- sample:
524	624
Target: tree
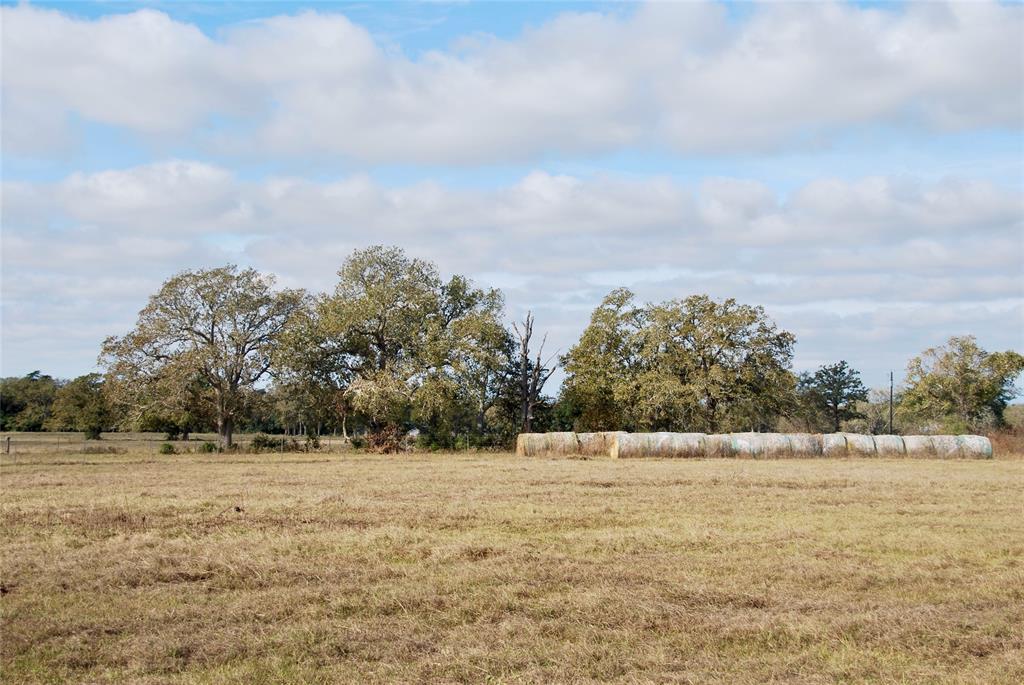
605	357
531	374
26	402
312	371
962	385
690	364
405	346
80	405
834	390
209	330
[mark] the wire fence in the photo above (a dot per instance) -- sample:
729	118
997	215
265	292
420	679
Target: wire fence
14	444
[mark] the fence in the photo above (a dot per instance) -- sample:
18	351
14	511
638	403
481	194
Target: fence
14	444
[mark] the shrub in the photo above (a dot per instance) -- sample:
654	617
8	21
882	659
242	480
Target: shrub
207	447
167	448
387	440
357	441
269	443
92	433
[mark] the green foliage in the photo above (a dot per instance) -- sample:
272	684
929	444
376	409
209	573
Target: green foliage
691	364
396	346
960	386
80	405
207	448
272	443
603	362
26	403
167	448
199	346
830	395
1014	416
871	415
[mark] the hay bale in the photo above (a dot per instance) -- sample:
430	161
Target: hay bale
806	445
718	446
889	446
747	445
546	444
860	445
974	446
944	446
561	444
597	444
529	444
662	445
834	445
775	445
919	446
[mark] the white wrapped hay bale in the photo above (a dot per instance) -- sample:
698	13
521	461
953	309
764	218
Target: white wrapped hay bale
806	445
546	444
858	445
597	444
747	445
943	446
774	445
890	446
834	445
975	446
919	445
718	446
663	445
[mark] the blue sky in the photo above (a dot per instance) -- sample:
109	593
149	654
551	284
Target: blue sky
855	168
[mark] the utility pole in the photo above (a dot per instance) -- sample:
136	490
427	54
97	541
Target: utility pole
890	403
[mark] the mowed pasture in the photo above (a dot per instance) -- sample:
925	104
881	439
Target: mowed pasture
324	568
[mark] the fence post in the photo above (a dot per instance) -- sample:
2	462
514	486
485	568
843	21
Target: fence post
7	445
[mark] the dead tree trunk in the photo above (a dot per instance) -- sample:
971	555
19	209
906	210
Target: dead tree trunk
533	374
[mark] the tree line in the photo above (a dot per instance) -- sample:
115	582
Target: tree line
396	350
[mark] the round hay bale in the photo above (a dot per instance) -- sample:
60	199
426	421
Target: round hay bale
944	446
833	445
718	446
775	445
747	445
561	444
680	445
806	445
529	444
919	445
975	446
596	444
546	444
860	445
629	445
890	446
662	445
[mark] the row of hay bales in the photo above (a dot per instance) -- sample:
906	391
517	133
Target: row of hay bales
620	445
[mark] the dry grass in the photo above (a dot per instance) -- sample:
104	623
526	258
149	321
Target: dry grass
309	568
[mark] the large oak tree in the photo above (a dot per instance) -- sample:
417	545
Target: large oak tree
690	364
209	331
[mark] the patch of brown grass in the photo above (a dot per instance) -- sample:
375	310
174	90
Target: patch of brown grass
271	568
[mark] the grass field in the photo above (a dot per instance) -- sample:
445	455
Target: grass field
487	568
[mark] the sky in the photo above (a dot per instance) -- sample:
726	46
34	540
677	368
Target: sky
855	168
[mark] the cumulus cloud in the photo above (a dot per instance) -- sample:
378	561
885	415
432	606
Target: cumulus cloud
684	76
81	255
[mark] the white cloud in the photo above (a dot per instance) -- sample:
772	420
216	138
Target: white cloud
80	256
680	75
